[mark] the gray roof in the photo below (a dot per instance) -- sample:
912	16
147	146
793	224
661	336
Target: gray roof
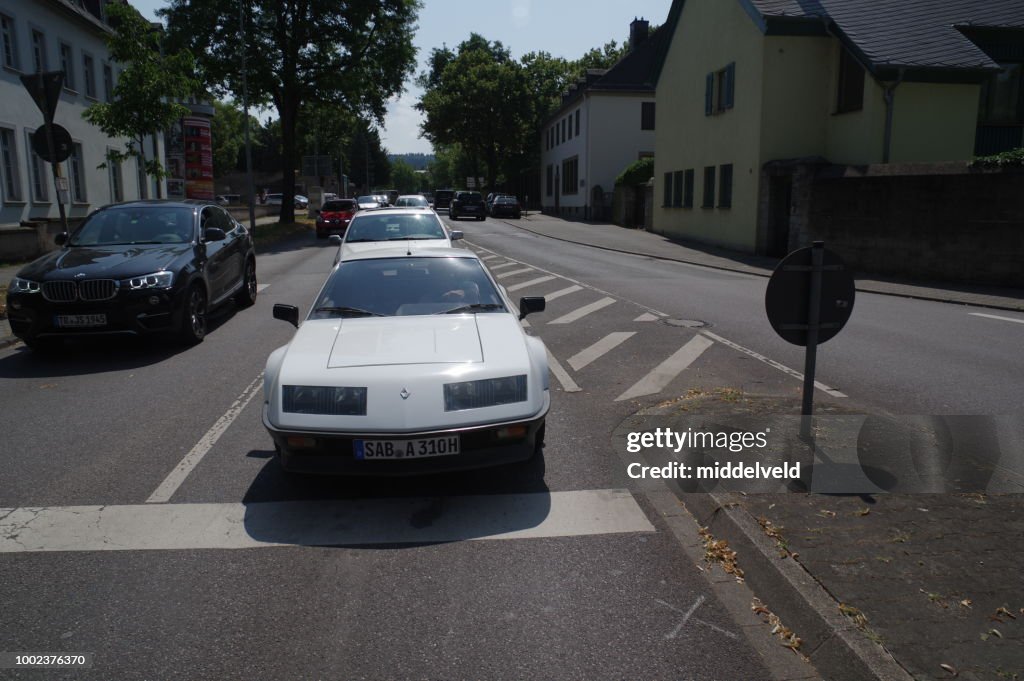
888	34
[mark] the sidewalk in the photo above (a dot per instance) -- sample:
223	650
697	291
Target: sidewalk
639	242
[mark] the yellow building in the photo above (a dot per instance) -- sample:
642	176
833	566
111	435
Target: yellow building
745	85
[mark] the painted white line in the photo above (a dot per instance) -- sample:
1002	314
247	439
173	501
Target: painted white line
661	375
563	377
772	363
647	317
532	282
502	265
995	316
261	287
512	273
525	323
600	348
490	257
173	481
581	312
320	523
562	292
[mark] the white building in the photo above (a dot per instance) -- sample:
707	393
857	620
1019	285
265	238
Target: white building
605	122
53	35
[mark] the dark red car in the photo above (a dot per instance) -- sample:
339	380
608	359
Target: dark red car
334	217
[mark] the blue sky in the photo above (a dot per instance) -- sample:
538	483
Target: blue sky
565	28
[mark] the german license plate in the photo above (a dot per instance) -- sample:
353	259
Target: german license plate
406	449
81	320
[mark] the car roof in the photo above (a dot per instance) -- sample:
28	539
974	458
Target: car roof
399	210
184	203
401	251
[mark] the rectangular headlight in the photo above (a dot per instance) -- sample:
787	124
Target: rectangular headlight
315	399
489	392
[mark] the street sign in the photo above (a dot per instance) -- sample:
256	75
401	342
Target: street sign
45	90
62	144
787	300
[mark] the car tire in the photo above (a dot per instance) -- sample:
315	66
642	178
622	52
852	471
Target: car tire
246	296
193	316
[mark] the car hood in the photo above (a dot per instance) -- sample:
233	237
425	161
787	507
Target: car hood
113	262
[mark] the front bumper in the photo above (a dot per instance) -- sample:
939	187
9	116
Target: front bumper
334	452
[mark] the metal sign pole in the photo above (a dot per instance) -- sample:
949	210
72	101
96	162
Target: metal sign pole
55	167
813	322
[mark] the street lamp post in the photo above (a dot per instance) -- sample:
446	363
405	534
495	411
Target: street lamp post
245	109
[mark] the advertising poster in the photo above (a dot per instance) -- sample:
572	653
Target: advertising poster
198	158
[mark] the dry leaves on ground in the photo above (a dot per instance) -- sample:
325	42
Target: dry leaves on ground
718	551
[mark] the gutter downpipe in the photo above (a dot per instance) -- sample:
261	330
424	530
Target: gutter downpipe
890	101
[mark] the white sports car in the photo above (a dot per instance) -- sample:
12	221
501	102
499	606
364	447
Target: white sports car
407	364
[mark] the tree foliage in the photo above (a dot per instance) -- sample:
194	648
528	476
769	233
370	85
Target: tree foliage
349	55
144	97
404	177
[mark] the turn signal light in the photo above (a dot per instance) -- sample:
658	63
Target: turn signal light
297	442
511	433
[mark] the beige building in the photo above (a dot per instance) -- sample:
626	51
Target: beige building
745	85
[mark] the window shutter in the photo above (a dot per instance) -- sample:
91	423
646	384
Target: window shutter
709	92
730	84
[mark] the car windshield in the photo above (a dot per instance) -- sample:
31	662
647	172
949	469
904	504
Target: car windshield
402	287
367	199
411	201
339	205
136	225
384	227
470	196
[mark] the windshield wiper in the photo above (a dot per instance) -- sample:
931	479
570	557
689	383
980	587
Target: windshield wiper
349	310
475	307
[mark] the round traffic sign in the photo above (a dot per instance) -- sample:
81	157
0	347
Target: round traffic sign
62	144
787	300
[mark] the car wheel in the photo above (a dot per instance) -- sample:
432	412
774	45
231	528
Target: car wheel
193	317
246	296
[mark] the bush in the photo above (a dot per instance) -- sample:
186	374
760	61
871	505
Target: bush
1013	158
636	173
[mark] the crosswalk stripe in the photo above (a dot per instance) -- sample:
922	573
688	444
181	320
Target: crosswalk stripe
512	273
661	375
526	284
601	347
490	257
502	265
334	522
563	292
581	312
647	317
563	377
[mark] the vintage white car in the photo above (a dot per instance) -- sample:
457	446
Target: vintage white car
407	364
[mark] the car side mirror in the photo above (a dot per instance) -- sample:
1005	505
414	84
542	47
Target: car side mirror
287	313
456	234
334	240
214	234
61	239
528	304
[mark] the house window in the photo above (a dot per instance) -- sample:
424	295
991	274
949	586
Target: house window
89	75
116	181
1002	101
647	115
677	189
570	175
67	62
850	96
38	51
725	186
667	191
38	169
108	83
709	187
564	138
76	173
577	122
9	165
10	45
719	90
549	185
688	188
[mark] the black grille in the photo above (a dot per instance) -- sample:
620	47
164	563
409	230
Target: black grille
60	291
97	289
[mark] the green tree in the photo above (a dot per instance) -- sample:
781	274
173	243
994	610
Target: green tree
228	132
144	97
354	54
404	178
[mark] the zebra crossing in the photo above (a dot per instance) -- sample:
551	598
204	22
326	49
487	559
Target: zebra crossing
576	327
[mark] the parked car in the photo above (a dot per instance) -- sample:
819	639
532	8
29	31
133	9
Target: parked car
467	204
407	364
506	206
136	268
443	198
275	200
367	202
334	217
409	228
412	201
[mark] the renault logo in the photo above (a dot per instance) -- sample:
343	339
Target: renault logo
404	394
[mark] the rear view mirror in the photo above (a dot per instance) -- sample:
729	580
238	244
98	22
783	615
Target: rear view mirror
456	234
287	313
214	234
528	304
61	239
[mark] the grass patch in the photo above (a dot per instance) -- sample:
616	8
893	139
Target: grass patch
275	231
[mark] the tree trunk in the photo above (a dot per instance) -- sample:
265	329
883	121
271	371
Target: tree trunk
288	117
141	176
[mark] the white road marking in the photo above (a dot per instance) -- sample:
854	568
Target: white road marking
601	347
504	264
173	481
581	312
512	273
647	317
563	377
562	292
661	375
261	287
995	316
688	616
532	282
490	257
771	362
320	523
525	323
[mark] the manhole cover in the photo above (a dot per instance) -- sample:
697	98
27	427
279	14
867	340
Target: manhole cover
687	323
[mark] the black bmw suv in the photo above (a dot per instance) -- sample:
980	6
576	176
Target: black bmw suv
136	268
467	204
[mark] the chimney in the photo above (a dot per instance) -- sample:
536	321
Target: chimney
638	32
